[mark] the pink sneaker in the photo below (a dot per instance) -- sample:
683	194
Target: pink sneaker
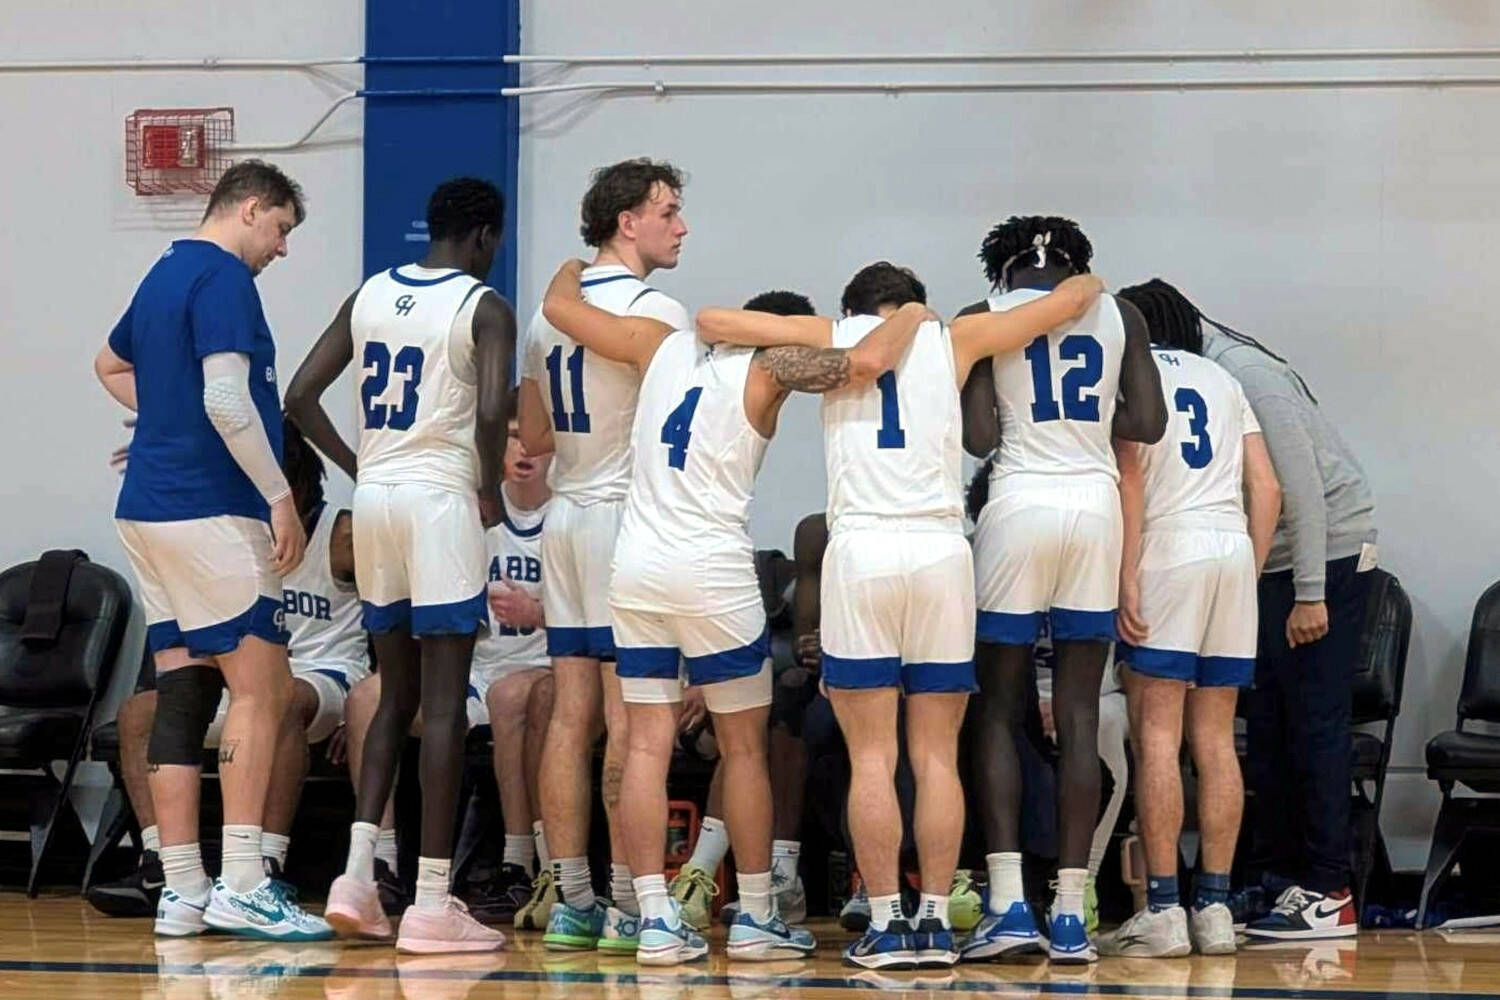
433	932
354	910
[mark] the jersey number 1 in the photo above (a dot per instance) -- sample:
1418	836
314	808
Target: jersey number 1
578	423
408	362
890	434
677	431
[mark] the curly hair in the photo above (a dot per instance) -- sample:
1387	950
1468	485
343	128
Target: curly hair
881	284
1060	239
782	303
622	187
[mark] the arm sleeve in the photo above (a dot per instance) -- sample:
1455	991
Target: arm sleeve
225	314
119	337
226	400
1304	512
663	308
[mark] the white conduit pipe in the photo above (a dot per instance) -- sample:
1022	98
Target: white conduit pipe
1016	58
209	63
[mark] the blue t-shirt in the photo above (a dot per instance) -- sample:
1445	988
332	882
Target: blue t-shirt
198	299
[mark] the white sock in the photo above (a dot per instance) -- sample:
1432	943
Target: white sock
385	849
651	890
784	855
622	888
275	846
1070	883
362	837
544	859
242	870
713	844
1096	859
518	848
182	867
884	909
933	906
1005	880
432	883
755	895
151	839
571	876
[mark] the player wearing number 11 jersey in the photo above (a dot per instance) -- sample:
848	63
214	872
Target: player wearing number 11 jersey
435	347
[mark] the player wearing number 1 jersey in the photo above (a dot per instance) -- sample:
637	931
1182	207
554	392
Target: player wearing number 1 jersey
435	347
579	404
1048	544
897	584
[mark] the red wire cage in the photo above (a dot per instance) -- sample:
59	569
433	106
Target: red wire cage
177	150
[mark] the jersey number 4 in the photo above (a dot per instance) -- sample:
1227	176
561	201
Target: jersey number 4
379	365
1200	451
677	431
578	422
1076	404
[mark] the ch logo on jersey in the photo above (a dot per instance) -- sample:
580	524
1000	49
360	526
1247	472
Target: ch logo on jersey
1168	359
404	304
279	619
520	568
300	602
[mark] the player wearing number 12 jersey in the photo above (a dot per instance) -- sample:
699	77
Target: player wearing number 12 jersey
434	346
897	605
1048	544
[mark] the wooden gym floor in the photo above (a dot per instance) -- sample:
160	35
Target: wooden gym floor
60	948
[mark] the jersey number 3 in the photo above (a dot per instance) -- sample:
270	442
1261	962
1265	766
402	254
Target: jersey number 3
578	422
1076	405
1200	451
378	362
677	431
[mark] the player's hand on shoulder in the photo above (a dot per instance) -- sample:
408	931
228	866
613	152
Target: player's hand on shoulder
1087	287
490	510
288	539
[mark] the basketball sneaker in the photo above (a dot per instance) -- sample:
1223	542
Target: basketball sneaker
1301	914
855	916
533	915
570	929
893	948
773	940
179	916
135	895
791	897
622	931
934	945
694	889
1004	935
1150	933
450	929
264	912
355	909
965	904
1212	930
669	941
1068	941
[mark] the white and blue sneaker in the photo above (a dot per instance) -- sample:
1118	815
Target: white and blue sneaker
1004	935
934	945
264	912
669	942
621	931
1069	943
893	948
774	940
179	916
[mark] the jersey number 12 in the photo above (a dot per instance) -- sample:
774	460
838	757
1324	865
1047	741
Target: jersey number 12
1076	405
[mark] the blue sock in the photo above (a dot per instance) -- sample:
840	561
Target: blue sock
1161	892
1210	888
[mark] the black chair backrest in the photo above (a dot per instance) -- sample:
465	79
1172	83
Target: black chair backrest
69	672
1480	695
1380	672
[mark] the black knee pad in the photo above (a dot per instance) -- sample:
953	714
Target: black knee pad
186	700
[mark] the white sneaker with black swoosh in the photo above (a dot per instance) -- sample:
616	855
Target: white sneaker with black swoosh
264	912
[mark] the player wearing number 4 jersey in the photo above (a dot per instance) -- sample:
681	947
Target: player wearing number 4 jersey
579	404
1048	544
897	580
684	586
435	346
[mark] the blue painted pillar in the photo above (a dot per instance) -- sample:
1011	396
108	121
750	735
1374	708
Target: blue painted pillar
412	144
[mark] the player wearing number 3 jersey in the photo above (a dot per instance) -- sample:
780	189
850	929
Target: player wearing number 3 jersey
434	347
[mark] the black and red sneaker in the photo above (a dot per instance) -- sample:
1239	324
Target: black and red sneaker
1301	914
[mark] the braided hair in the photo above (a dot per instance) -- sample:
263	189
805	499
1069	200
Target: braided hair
977	494
462	205
1056	240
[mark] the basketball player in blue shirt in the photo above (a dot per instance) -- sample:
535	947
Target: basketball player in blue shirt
208	522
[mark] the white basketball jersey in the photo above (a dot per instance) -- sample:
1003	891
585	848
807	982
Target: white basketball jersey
1057	396
684	542
893	447
590	401
515	550
413	340
1197	465
323	614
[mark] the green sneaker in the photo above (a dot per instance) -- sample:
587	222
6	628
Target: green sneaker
622	932
1090	906
570	929
694	889
965	906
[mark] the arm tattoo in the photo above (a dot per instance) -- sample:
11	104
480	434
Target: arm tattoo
806	369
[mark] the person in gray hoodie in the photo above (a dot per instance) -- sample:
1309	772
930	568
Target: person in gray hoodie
1312	599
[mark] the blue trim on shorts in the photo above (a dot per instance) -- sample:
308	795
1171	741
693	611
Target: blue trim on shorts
471	692
265	619
1080	626
647	662
859	672
379	619
163	635
1010	629
339	677
596	643
1226	671
1168	664
730	664
939	678
455	618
